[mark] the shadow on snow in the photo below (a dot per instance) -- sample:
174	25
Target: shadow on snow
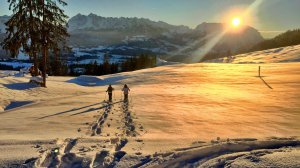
85	80
80	108
20	86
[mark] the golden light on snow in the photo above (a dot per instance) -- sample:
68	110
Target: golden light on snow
236	22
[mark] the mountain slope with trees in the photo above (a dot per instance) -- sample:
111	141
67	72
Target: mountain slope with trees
289	38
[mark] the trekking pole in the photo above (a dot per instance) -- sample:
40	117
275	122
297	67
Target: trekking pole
105	97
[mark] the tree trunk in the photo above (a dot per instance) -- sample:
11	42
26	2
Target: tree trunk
57	71
45	56
45	50
35	64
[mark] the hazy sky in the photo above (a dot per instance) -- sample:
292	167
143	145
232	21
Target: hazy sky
272	16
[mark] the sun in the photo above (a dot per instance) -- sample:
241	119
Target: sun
236	22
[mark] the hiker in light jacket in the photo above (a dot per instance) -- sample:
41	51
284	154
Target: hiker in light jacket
125	92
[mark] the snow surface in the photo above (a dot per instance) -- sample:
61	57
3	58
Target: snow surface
99	60
17	64
175	113
80	52
181	115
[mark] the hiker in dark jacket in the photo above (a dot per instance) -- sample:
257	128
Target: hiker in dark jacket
109	92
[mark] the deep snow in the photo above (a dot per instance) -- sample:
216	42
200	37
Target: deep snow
171	110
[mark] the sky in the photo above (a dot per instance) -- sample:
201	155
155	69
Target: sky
271	17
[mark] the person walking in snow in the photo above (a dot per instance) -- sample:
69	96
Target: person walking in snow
125	92
109	92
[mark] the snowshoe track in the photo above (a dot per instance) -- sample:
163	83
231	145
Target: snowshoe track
114	118
115	124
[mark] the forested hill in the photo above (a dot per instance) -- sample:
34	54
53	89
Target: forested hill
289	38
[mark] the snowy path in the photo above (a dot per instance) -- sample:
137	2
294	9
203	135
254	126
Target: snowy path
114	125
115	120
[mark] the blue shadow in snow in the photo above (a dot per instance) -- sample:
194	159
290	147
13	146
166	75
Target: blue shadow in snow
16	104
95	81
20	86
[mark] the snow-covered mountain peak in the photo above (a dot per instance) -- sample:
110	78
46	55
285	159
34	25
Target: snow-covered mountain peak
95	22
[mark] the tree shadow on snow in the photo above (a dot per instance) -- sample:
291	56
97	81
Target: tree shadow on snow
95	81
20	86
15	104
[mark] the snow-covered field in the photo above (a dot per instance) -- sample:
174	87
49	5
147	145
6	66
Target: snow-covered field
98	53
179	115
17	64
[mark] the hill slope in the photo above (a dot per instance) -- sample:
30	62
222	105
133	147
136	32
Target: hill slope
291	37
173	117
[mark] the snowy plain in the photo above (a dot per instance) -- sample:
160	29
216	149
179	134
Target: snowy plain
183	115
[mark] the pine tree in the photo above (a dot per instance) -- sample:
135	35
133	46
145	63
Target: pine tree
37	26
23	30
53	28
106	57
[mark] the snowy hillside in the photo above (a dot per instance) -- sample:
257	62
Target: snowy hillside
276	55
180	115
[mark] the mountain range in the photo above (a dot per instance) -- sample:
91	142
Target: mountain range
132	36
